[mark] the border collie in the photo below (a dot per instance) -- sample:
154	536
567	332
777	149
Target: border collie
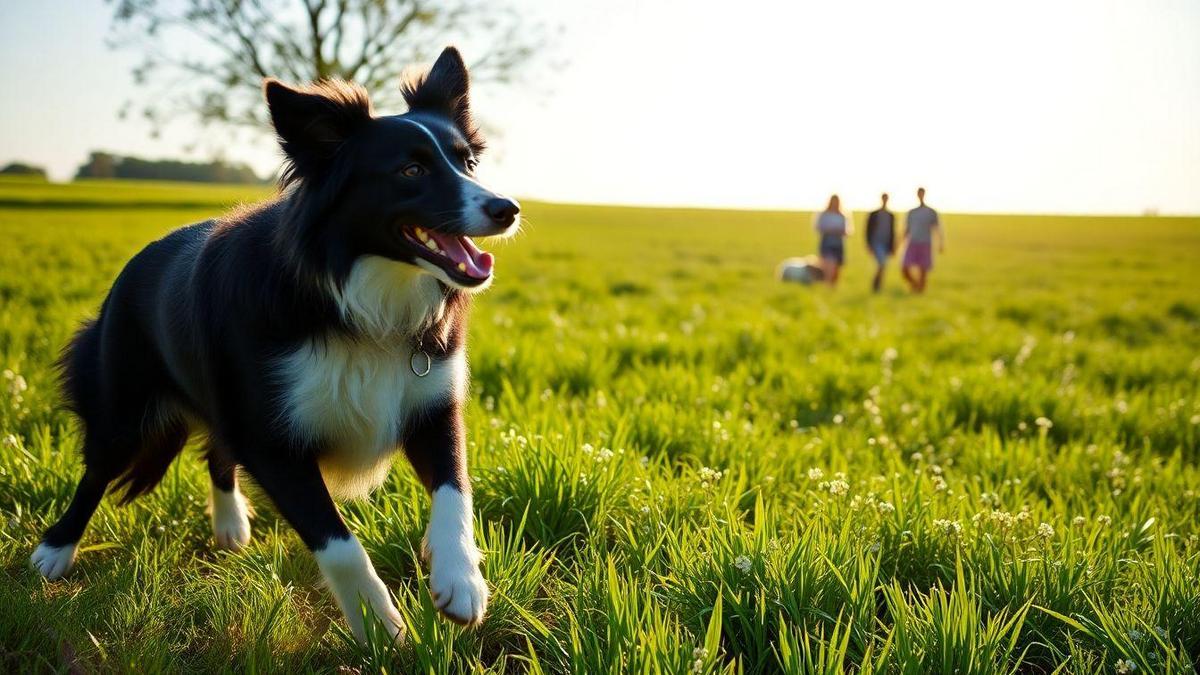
310	337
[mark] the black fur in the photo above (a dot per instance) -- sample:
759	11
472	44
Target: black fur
196	322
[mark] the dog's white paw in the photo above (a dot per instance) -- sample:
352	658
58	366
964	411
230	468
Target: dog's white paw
458	589
378	602
53	562
455	584
389	616
230	520
353	581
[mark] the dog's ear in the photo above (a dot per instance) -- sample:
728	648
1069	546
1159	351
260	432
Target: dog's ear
445	90
313	122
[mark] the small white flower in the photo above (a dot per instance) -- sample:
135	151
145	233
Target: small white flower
1104	520
1043	422
838	487
1125	666
950	528
700	653
1079	521
885	507
1045	531
815	474
10	442
1161	632
1136	635
743	563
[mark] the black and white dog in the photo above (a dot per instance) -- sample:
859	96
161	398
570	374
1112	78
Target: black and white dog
310	337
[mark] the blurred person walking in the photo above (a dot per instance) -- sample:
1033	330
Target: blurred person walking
833	226
919	229
881	239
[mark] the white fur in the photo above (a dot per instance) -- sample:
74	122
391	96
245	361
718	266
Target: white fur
356	394
230	519
53	562
386	298
356	397
457	587
352	579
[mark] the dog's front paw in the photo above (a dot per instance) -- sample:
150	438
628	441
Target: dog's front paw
458	589
389	620
53	562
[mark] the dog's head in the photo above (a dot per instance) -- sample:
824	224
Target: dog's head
399	186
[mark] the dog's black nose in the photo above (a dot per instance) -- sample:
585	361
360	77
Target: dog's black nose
502	210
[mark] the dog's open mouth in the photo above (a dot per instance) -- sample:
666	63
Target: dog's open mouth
454	254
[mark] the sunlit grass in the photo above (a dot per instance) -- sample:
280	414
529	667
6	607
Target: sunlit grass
681	465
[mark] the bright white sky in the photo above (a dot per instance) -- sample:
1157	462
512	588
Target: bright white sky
1023	106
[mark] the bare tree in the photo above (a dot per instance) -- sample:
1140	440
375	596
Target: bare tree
206	59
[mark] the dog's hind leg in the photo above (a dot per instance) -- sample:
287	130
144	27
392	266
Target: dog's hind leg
55	555
105	462
230	511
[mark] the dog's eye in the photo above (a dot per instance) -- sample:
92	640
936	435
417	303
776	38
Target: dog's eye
413	170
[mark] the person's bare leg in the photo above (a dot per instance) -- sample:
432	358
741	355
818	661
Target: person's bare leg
921	277
877	283
908	277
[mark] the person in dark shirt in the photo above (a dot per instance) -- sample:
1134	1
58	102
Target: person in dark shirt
881	239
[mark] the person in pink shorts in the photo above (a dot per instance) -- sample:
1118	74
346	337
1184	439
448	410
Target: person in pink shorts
919	230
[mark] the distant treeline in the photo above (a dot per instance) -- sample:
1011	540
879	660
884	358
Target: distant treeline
23	169
107	165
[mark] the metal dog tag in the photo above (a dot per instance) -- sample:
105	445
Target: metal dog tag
413	361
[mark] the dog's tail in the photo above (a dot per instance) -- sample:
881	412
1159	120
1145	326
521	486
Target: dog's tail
161	442
130	438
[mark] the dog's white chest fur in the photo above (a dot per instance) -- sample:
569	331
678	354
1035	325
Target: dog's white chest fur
355	395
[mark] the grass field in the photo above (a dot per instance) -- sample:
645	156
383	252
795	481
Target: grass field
680	464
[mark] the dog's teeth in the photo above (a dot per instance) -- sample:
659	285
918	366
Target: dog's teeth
420	234
462	267
431	244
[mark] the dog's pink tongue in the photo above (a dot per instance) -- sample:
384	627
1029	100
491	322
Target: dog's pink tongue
466	255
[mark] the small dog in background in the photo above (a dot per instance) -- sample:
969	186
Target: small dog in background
311	337
805	270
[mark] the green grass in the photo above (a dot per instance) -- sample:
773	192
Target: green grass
680	464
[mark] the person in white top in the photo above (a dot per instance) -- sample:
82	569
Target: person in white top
833	226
